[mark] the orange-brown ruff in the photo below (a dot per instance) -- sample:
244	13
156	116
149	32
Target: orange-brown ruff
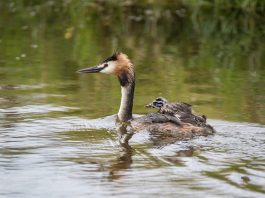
169	125
124	65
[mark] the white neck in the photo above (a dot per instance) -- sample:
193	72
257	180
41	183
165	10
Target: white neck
127	94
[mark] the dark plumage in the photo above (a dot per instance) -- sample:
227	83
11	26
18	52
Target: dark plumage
111	58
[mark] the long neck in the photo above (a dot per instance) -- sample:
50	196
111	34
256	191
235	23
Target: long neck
127	94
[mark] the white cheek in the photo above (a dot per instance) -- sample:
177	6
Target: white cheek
109	69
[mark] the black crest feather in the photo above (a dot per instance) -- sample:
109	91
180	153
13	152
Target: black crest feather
113	57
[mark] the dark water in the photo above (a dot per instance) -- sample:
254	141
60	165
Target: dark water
53	144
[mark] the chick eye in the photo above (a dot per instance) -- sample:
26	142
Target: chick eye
105	65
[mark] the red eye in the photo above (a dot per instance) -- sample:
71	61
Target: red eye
105	65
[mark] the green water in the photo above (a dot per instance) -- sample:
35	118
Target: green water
50	143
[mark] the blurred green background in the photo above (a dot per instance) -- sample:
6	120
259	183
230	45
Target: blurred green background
209	53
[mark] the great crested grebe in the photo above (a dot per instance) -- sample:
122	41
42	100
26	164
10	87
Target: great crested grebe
162	122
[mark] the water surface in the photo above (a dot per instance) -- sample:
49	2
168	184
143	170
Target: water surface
57	128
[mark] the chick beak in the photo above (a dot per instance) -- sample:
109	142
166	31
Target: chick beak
94	69
149	106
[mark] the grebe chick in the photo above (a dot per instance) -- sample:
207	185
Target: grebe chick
172	108
181	110
119	65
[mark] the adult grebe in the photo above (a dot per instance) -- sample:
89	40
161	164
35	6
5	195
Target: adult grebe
120	65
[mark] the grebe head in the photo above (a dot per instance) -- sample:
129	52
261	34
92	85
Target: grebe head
117	64
157	103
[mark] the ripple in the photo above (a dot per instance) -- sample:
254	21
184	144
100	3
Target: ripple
21	87
34	109
80	150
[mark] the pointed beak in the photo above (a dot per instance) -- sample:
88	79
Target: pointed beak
149	106
94	69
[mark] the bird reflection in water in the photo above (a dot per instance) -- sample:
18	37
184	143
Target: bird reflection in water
124	160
